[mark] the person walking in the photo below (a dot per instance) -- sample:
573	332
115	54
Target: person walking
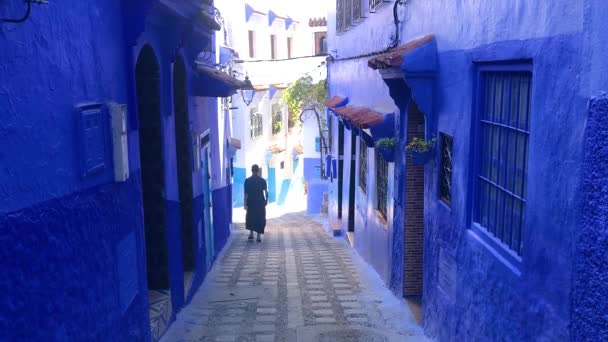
256	199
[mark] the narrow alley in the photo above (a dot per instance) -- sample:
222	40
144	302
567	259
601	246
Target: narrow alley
299	284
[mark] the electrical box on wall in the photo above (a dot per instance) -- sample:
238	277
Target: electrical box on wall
118	114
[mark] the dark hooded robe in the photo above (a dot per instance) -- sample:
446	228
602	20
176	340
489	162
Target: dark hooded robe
255	189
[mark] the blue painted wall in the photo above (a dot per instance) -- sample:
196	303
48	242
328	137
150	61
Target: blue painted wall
312	167
272	185
61	275
591	272
221	217
314	198
61	233
285	184
238	187
75	247
490	298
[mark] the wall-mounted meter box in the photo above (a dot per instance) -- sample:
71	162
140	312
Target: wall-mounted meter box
118	113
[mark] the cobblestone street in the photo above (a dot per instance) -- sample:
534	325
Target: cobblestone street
299	284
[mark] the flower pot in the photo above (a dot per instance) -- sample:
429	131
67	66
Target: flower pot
388	153
421	158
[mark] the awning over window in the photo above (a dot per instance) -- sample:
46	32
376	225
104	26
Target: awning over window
261	87
360	117
299	149
235	143
211	82
276	148
396	57
336	101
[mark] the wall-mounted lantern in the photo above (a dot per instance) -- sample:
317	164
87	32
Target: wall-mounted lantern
247	91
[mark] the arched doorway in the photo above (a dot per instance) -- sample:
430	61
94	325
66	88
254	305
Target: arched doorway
147	77
184	168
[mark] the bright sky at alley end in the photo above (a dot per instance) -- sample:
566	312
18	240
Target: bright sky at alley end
297	9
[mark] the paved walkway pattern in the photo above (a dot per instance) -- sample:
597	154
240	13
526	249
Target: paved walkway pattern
298	285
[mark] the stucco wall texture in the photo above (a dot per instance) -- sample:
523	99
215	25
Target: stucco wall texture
58	233
492	298
64	239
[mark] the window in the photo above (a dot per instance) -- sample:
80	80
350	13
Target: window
273	46
374	4
502	149
445	170
282	165
320	43
381	184
317	144
357	10
251	44
363	165
256	122
340	16
348	9
289	45
277	119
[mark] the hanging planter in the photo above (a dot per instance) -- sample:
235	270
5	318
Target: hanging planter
386	148
421	151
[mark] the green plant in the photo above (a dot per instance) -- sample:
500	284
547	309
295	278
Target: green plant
420	145
386	142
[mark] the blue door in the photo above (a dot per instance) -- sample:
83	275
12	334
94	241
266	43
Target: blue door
208	209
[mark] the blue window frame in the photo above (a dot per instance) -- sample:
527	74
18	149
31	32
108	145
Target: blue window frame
503	130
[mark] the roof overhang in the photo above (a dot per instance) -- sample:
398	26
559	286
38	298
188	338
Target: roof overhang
210	82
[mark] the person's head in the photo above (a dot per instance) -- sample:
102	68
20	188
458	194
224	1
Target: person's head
255	169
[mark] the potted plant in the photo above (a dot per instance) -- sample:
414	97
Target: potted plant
386	147
421	150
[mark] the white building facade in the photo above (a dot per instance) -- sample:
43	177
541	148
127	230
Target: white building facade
274	48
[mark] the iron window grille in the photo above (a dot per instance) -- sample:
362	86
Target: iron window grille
340	16
502	148
381	184
256	123
277	119
363	166
374	4
445	171
357	11
348	9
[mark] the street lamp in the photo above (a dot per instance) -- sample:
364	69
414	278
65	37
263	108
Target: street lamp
247	91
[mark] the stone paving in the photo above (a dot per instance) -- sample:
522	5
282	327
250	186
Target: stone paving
298	285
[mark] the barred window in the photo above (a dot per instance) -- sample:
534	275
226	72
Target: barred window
445	171
277	119
345	13
256	122
373	4
502	147
340	16
363	166
381	184
357	10
348	8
